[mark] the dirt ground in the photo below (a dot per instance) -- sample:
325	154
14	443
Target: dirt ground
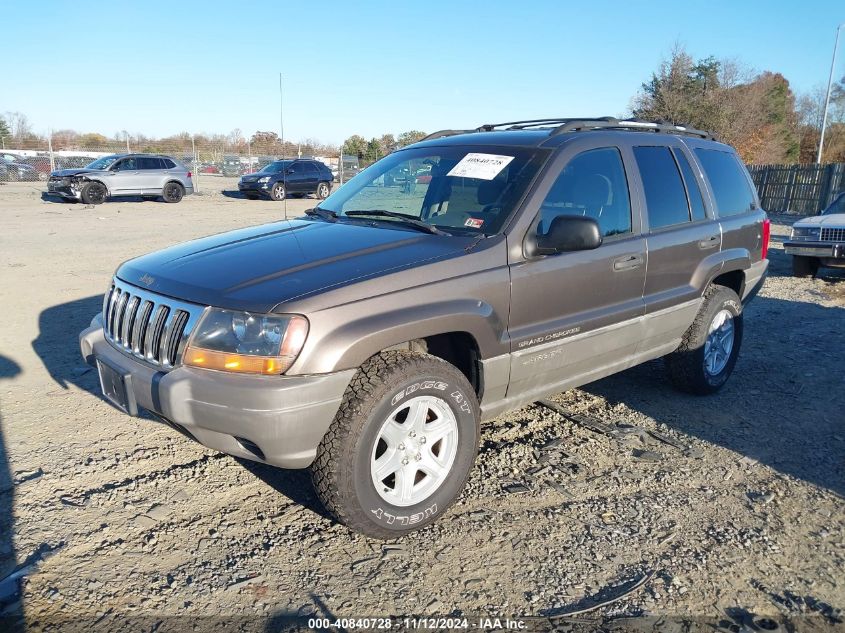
119	523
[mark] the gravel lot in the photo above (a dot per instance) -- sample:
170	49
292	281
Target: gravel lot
123	522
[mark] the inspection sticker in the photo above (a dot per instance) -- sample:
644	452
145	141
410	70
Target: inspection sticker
481	166
474	223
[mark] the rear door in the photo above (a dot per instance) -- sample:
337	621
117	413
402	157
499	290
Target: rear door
574	316
150	174
312	176
733	198
681	233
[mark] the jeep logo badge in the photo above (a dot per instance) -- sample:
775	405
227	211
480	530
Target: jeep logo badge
147	280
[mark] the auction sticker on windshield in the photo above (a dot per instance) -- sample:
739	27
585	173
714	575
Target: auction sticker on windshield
481	166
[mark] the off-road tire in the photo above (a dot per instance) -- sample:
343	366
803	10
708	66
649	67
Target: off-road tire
94	193
173	192
804	266
685	365
323	190
278	191
341	470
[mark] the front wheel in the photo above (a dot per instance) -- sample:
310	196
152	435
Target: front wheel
94	193
401	447
278	191
708	352
323	190
173	192
804	266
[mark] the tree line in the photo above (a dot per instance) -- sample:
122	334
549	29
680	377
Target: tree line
756	112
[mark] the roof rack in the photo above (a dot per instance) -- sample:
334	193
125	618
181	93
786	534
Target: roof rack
563	125
610	123
443	133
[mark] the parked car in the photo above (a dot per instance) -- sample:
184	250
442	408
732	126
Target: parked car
14	168
232	166
284	178
818	240
147	175
368	339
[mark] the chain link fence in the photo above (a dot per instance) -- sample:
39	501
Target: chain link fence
34	158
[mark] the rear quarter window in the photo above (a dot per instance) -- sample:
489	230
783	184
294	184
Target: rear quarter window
728	183
168	164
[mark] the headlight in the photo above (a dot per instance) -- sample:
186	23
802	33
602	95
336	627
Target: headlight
264	179
806	232
243	342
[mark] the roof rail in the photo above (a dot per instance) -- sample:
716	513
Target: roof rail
563	125
443	133
579	125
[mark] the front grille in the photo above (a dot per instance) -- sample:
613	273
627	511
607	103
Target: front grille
147	326
832	235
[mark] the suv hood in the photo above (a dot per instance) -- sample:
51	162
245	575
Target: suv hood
259	267
63	173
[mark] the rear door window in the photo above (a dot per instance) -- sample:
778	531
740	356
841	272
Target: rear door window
696	202
727	181
149	162
592	184
665	197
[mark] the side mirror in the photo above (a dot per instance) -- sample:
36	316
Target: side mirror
569	233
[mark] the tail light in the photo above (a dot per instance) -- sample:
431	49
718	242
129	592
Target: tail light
190	175
767	233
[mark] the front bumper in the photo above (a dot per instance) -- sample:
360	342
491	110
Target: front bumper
65	191
822	250
277	420
260	188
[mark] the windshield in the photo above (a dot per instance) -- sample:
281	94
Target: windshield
275	167
837	206
102	163
457	189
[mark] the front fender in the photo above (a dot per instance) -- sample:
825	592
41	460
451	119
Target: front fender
352	342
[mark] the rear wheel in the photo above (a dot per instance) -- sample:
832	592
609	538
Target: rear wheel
94	193
804	266
173	192
323	190
401	447
706	357
278	191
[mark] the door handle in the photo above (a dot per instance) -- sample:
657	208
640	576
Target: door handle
710	242
627	262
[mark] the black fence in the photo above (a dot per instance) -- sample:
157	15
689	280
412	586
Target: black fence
801	189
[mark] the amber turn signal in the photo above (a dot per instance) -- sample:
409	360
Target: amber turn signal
238	363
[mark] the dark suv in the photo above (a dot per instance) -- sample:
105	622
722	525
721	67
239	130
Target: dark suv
283	178
368	339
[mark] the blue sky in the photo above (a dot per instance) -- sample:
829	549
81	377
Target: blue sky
159	68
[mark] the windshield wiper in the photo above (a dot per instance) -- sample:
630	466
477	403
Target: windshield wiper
407	220
328	216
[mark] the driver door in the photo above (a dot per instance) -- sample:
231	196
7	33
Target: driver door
577	316
124	177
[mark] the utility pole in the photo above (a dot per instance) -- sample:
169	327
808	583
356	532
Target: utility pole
196	171
281	115
827	97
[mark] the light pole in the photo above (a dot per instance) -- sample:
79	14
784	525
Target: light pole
827	98
282	115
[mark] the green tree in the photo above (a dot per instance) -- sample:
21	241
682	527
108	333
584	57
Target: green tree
4	129
407	138
355	145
